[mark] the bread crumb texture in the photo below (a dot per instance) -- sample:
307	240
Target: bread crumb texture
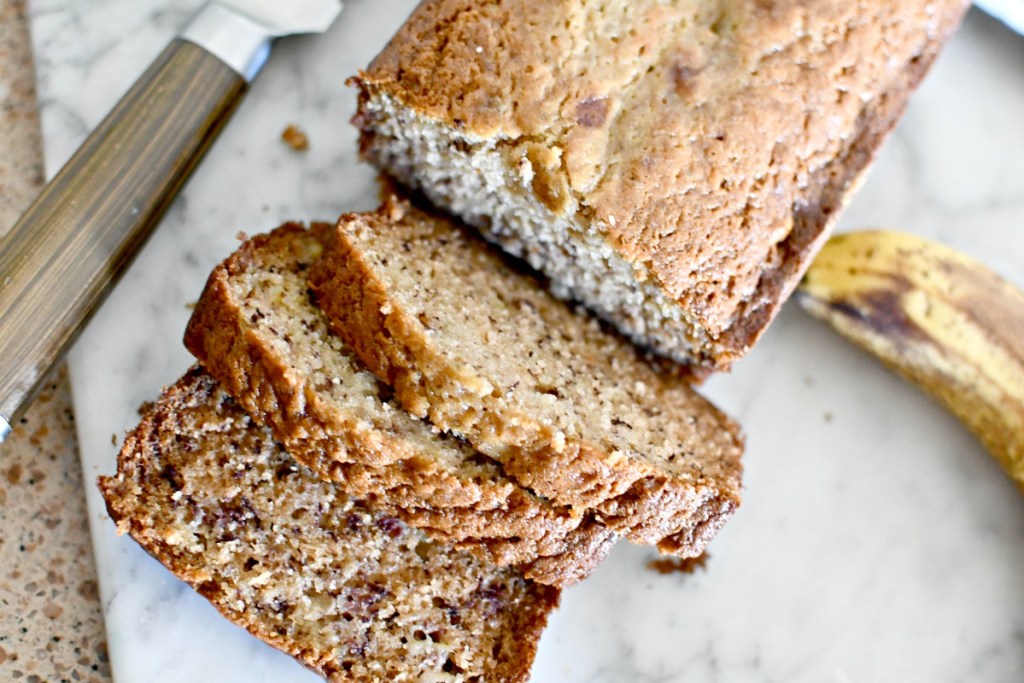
355	595
257	330
569	409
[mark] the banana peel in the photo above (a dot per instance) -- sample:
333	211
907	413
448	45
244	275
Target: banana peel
937	317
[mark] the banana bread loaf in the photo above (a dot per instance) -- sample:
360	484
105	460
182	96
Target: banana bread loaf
674	165
257	332
570	410
353	594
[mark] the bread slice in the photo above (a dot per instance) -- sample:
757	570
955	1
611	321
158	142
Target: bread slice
258	333
353	594
571	411
672	165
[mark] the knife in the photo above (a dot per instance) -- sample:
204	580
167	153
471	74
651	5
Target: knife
66	252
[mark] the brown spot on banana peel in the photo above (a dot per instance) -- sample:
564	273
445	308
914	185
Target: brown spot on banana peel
882	311
991	302
879	308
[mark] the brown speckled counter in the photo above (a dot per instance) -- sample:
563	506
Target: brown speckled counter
51	627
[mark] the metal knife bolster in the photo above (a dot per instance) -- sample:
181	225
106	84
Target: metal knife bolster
5	428
238	41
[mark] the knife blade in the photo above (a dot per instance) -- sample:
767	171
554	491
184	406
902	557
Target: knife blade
66	252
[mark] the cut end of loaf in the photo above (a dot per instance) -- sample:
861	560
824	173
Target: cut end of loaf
353	594
499	187
671	165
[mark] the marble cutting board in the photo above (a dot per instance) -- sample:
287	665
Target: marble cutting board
877	540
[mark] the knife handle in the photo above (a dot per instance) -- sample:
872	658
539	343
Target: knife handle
62	257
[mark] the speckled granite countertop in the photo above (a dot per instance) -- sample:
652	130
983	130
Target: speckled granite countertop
51	627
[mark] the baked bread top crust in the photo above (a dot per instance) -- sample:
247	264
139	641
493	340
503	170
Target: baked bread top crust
709	144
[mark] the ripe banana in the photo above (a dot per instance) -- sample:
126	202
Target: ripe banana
940	319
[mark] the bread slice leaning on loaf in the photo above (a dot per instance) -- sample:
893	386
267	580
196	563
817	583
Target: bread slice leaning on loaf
353	594
258	333
674	165
571	411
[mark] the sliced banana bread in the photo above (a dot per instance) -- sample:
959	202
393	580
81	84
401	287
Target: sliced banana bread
571	411
258	333
353	594
672	164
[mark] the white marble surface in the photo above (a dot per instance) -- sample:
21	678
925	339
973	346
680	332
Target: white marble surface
877	540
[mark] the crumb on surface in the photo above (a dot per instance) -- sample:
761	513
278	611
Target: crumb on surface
675	565
295	138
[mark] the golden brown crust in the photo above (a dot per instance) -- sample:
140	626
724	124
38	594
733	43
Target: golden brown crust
677	508
830	189
153	498
488	514
712	144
